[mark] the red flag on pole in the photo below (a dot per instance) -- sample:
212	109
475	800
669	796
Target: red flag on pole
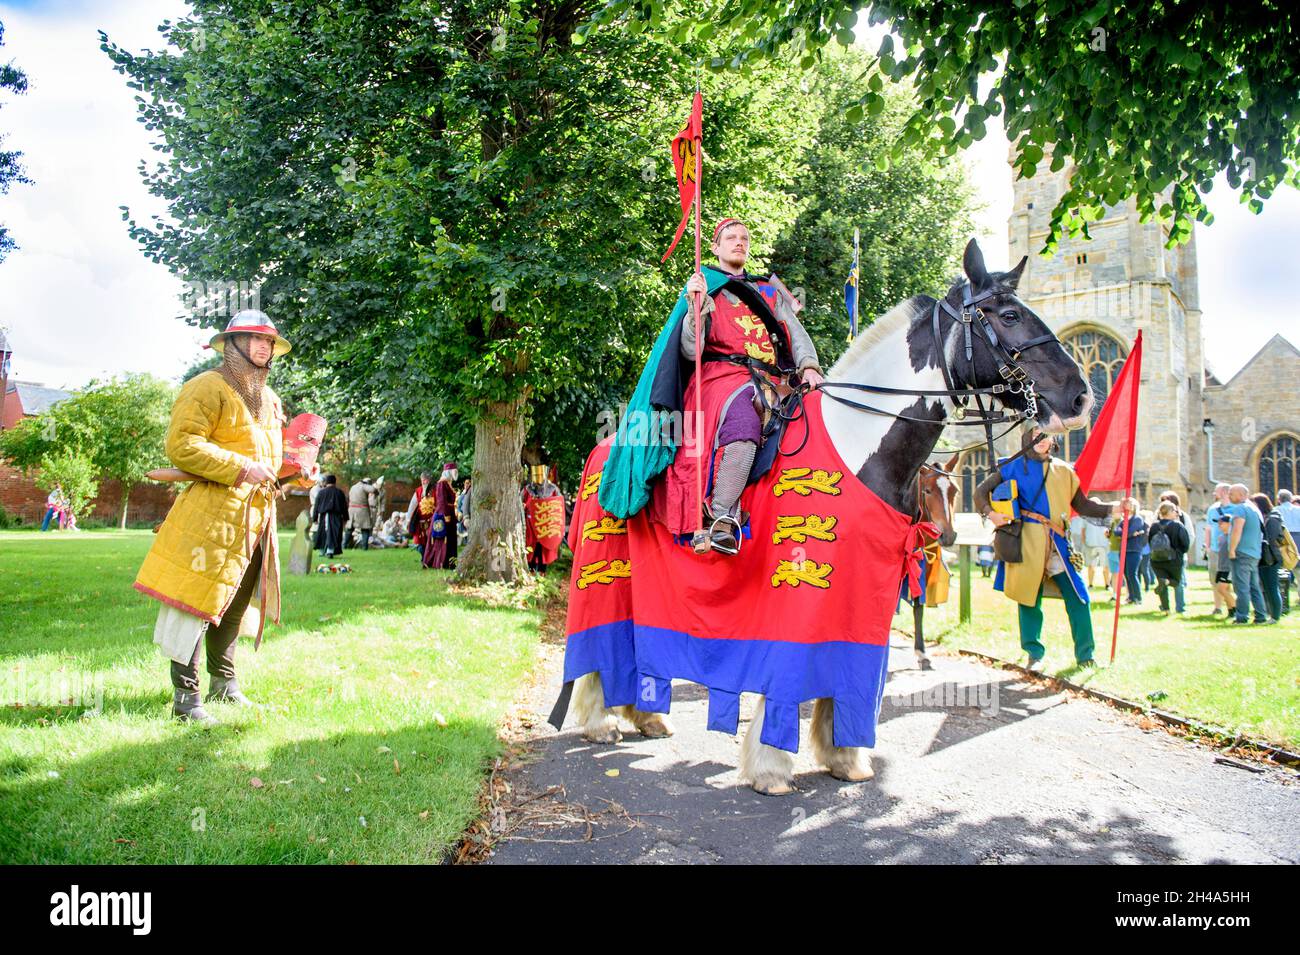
1106	461
686	164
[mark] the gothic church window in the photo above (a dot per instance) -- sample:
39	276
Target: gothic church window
1279	463
974	465
1101	357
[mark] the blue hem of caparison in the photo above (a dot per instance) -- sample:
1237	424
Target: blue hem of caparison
637	665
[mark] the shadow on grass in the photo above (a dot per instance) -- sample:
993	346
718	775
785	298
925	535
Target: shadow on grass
401	796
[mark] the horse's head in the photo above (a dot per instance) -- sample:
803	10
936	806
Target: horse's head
937	495
1023	341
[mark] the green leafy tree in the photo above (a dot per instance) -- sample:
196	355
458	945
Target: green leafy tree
914	212
11	171
456	211
73	472
452	209
128	418
1142	99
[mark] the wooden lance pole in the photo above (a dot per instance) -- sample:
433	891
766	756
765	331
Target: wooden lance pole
697	303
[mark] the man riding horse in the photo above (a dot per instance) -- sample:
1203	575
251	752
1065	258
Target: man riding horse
755	351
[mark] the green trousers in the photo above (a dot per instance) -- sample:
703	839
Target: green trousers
1031	623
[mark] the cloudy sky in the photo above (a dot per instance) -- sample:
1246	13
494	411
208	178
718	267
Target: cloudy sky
80	301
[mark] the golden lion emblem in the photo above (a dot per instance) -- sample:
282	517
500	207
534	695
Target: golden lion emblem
599	530
796	572
803	481
798	528
603	572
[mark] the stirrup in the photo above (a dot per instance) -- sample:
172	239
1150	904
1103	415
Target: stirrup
729	544
718	537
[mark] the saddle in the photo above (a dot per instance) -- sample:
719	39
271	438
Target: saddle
775	394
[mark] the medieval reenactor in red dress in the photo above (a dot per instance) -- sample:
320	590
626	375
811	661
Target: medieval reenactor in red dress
753	341
418	515
440	549
543	519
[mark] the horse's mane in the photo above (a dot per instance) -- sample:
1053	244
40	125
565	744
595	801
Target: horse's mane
900	316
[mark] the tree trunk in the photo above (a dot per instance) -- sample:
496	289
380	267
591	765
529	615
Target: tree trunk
126	494
495	549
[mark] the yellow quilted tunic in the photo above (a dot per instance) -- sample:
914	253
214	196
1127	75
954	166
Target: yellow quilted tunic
205	544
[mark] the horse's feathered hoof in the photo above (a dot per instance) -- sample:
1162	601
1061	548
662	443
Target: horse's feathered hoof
778	787
924	662
857	775
610	735
655	727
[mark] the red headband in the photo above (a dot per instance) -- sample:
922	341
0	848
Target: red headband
717	230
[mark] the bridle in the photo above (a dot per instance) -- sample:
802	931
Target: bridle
1015	380
923	513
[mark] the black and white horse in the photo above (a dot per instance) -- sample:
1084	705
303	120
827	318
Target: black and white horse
917	363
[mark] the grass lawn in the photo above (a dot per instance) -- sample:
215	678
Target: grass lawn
383	692
1243	678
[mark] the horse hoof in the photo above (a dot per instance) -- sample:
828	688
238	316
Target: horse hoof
925	663
775	788
655	728
853	775
611	735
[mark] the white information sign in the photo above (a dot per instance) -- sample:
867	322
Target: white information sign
972	529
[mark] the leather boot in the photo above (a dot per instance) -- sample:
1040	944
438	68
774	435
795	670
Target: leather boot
221	690
187	708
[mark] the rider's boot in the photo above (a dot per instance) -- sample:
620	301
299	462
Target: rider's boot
722	514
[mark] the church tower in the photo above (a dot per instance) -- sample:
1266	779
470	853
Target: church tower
1095	294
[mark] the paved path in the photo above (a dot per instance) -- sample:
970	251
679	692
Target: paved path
1002	770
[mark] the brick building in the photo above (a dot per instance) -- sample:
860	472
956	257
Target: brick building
1096	294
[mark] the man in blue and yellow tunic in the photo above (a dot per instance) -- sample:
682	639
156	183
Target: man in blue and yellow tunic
1046	490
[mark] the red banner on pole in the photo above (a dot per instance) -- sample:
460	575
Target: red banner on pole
1106	461
686	163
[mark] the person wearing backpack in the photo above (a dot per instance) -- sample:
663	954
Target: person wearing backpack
1245	547
1270	557
1169	543
1137	539
1290	511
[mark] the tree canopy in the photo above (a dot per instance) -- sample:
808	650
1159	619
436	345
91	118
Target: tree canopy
13	80
454	211
915	213
1145	99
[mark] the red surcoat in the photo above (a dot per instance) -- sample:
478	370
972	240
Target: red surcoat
733	329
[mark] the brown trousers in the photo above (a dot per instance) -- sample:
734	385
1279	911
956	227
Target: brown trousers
221	641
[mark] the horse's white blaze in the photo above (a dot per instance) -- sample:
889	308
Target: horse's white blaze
879	357
944	484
